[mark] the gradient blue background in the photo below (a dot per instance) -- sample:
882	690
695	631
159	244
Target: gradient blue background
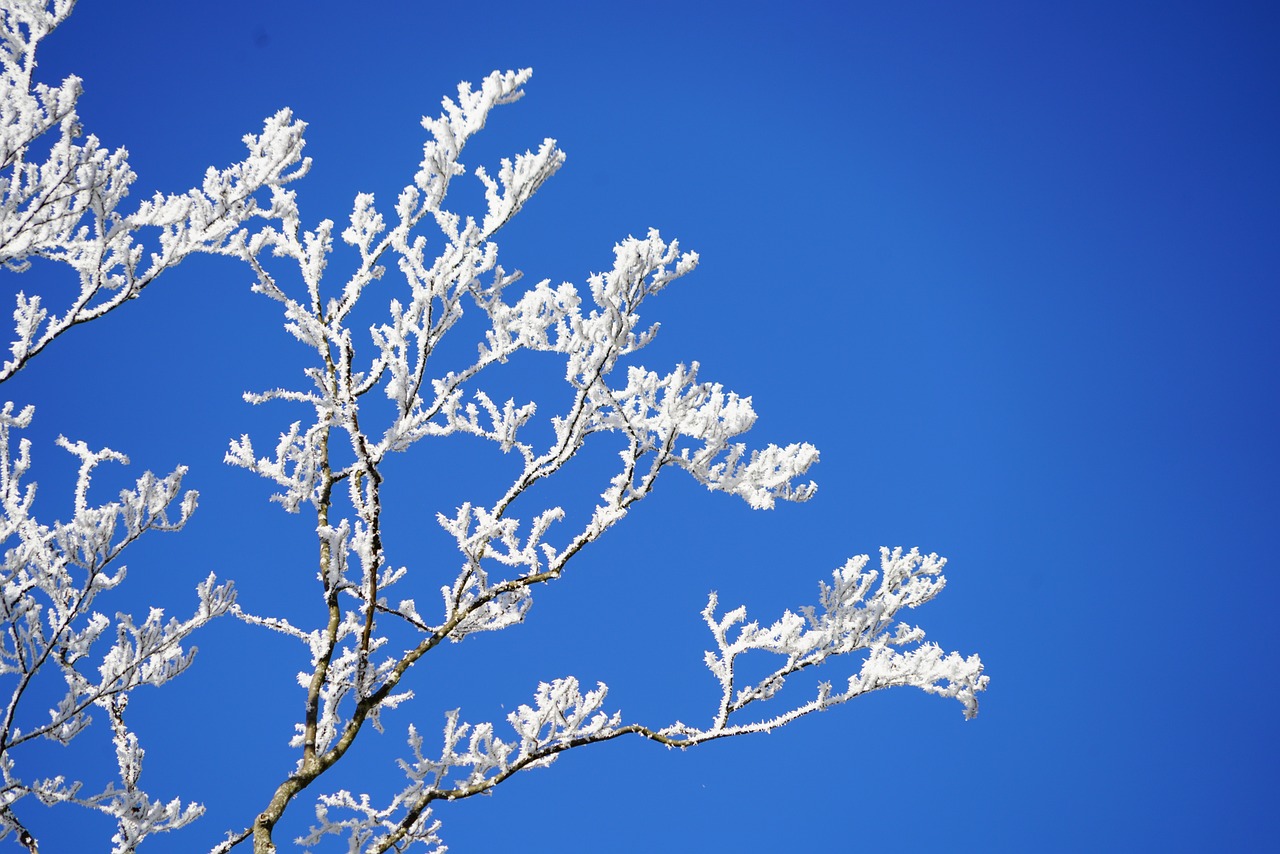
1012	268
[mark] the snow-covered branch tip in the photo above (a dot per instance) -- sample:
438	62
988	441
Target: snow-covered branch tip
853	613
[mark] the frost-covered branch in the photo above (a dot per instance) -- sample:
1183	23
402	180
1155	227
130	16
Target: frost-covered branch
854	613
658	421
562	718
368	394
62	197
63	204
50	579
137	816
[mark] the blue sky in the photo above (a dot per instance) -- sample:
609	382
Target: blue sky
1011	268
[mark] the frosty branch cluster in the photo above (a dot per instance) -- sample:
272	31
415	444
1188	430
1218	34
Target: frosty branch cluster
370	395
61	201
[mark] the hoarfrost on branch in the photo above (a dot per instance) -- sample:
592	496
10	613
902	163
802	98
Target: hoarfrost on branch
61	203
672	420
67	208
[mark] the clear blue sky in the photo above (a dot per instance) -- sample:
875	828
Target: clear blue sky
1012	268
